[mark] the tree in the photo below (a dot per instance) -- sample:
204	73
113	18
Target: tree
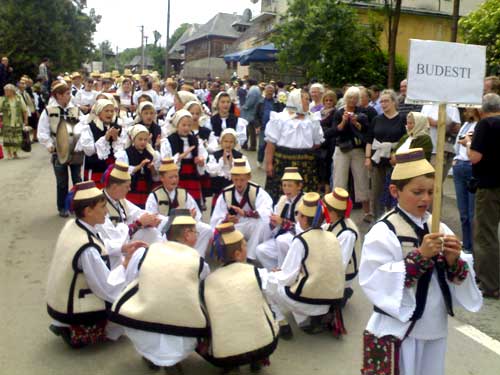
57	29
483	27
393	11
326	39
177	34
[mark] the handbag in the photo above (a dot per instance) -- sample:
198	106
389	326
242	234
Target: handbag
345	146
26	143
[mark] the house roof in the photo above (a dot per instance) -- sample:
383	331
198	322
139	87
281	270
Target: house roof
178	45
219	25
136	61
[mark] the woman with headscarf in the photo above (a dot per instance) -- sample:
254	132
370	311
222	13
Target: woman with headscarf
417	136
181	98
292	137
15	117
100	140
188	151
143	162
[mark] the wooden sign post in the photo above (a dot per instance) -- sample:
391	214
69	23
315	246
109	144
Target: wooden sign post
444	73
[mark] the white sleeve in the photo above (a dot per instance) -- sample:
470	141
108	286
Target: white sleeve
122	157
96	273
152	204
273	128
241	130
43	131
291	265
382	273
264	205
202	152
453	114
103	148
220	212
208	124
114	237
347	239
134	212
122	276
165	148
190	204
77	100
213	167
212	143
121	142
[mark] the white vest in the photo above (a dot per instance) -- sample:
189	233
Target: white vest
165	297
54	113
163	199
339	227
69	298
322	275
241	321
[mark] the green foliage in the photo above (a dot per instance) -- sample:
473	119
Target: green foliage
156	53
483	27
326	38
177	34
57	29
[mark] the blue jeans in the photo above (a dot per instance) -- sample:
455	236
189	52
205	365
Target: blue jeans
61	172
462	173
262	146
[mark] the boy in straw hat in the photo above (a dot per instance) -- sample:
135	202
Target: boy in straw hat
167	197
161	307
242	327
339	206
78	294
125	220
76	83
246	205
412	276
272	252
311	278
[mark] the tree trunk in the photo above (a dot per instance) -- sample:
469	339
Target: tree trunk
455	17
393	36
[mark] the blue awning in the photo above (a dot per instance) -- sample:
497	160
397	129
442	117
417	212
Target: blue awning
263	53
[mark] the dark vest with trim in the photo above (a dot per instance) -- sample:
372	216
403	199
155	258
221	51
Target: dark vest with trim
287	210
93	162
410	236
177	144
216	122
203	133
114	211
340	227
69	298
165	297
135	157
249	196
243	328
322	276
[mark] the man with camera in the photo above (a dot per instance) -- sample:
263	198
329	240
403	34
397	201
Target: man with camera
484	154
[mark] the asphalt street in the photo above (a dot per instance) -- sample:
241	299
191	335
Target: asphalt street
29	226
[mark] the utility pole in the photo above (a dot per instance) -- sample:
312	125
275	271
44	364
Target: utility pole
142	46
168	37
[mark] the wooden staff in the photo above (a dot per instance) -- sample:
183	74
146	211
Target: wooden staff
438	180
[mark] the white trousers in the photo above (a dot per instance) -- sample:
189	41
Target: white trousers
422	357
204	236
272	253
255	232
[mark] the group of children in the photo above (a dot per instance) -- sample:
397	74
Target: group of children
133	260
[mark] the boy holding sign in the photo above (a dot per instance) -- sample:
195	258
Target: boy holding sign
412	277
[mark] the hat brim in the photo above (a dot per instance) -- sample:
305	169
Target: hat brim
404	171
86	194
241	170
294	176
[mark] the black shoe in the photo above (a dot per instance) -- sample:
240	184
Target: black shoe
63	213
255	367
286	332
65	334
316	326
150	364
348	292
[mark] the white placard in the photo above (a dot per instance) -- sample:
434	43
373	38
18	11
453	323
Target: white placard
445	72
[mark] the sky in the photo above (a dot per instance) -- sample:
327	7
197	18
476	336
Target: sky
121	18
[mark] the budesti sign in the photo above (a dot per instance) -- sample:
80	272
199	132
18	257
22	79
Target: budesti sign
445	72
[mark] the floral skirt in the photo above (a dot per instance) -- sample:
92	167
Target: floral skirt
12	137
380	355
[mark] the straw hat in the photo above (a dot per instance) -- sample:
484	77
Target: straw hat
292	174
75	75
309	204
410	164
120	171
145	72
167	165
229	234
180	216
115	73
106	75
67	79
127	73
95	74
240	166
86	190
136	77
337	199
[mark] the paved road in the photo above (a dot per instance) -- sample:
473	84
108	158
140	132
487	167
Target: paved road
28	231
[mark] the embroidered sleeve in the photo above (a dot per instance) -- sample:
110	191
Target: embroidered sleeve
252	213
287	224
458	272
134	227
416	265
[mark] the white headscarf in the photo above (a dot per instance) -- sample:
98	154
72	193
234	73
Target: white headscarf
421	126
139	110
97	108
186	96
294	102
135	130
203	116
178	116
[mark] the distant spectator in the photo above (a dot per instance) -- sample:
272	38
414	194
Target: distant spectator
5	74
405	108
316	91
375	98
492	85
364	103
484	154
248	112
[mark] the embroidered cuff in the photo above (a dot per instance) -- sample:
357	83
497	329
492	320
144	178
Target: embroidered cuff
458	272
287	224
252	214
416	265
134	227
